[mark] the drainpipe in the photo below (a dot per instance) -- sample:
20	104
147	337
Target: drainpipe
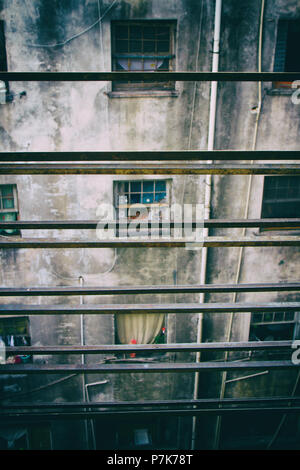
82	341
208	179
237	280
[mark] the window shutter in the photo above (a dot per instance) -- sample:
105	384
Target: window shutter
280	52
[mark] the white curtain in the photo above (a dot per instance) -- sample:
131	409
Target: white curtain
141	328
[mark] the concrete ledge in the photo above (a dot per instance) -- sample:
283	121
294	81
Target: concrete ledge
280	91
144	94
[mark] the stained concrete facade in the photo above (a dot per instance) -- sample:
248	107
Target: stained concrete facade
61	116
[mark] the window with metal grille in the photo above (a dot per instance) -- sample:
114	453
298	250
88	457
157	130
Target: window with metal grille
14	331
8	206
273	326
287	58
138	433
281	198
143	46
31	437
154	195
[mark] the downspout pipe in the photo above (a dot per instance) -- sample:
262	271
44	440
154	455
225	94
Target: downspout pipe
82	342
237	280
208	180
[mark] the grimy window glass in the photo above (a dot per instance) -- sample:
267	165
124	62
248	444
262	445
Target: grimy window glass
272	326
14	331
151	193
287	57
7	201
143	46
281	197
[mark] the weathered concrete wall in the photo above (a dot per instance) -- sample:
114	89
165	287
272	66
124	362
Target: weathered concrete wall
84	116
278	129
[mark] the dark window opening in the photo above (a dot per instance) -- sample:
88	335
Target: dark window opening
145	46
287	58
137	433
256	430
273	326
18	437
14	331
3	58
281	198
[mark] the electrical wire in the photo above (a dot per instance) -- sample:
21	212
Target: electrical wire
59	44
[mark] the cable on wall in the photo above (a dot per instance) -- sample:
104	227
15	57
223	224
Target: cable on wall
60	44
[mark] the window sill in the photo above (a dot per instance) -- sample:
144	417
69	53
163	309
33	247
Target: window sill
143	94
280	91
276	232
16	234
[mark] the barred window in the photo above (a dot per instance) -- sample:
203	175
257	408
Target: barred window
143	46
281	198
287	58
153	194
273	326
14	331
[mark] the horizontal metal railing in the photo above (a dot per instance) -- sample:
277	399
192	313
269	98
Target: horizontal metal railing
148	169
184	308
154	404
139	242
160	367
283	223
149	155
11	411
156	289
177	347
83	415
150	76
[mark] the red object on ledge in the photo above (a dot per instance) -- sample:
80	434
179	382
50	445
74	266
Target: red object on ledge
133	341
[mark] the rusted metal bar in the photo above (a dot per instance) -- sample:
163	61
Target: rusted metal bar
42	417
150	155
145	367
148	169
92	224
152	404
126	290
125	348
150	76
20	309
144	241
11	242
